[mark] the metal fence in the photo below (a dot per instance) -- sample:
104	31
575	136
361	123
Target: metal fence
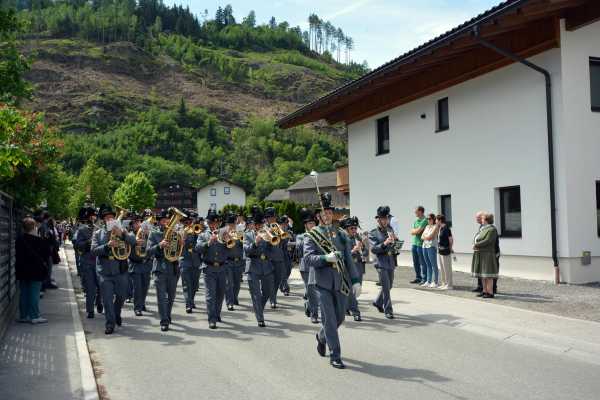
9	216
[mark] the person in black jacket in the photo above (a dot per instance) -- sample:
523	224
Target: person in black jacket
32	256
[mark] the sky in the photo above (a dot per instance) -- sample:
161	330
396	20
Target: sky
381	29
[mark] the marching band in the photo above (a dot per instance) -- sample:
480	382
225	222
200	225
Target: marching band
120	255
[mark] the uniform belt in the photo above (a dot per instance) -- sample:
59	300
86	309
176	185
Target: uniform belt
214	264
237	259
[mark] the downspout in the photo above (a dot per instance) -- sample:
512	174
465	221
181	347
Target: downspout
550	129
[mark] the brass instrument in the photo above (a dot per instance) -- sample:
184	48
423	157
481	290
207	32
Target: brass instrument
122	249
142	234
269	236
277	230
397	244
195	229
172	236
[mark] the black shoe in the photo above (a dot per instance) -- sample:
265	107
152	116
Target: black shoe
488	296
51	286
320	346
90	315
109	331
212	325
119	321
477	290
230	308
138	313
236	303
348	313
378	307
170	322
314	320
273	306
378	284
100	308
481	294
306	311
188	310
337	364
389	316
415	281
164	328
357	318
261	324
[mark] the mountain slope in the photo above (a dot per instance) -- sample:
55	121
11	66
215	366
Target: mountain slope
85	87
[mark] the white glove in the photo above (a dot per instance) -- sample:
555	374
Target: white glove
331	257
356	289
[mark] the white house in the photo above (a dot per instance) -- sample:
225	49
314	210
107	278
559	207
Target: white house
219	194
458	125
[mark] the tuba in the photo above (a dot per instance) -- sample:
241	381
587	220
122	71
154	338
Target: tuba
142	234
173	237
122	250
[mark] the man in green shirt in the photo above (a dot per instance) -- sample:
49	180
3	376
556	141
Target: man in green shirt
417	245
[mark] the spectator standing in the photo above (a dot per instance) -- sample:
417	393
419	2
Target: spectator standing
445	246
32	256
429	237
417	245
485	263
479	216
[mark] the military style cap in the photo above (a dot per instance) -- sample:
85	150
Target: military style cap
162	214
348	222
230	218
105	210
307	215
212	216
270	212
257	215
383	212
326	201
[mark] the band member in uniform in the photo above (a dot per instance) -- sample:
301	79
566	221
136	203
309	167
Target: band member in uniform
258	265
276	256
235	264
328	254
210	245
287	245
112	273
82	242
190	261
164	272
360	252
140	262
382	241
311	307
79	222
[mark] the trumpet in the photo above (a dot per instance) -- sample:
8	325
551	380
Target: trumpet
122	249
269	236
195	229
276	229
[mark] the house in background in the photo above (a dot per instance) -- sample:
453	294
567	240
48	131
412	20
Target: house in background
175	195
219	194
460	124
278	195
305	192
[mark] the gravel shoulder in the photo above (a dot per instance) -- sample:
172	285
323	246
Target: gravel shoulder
574	301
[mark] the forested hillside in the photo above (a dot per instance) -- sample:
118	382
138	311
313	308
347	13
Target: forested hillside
141	86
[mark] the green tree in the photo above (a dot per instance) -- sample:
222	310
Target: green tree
250	20
95	183
13	64
136	191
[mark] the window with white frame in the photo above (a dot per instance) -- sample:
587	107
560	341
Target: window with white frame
227	190
213	192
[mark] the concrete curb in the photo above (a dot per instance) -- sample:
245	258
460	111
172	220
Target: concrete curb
88	380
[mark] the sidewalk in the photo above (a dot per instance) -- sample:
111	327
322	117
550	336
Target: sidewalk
48	361
571	337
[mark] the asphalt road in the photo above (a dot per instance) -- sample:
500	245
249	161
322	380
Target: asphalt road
410	357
